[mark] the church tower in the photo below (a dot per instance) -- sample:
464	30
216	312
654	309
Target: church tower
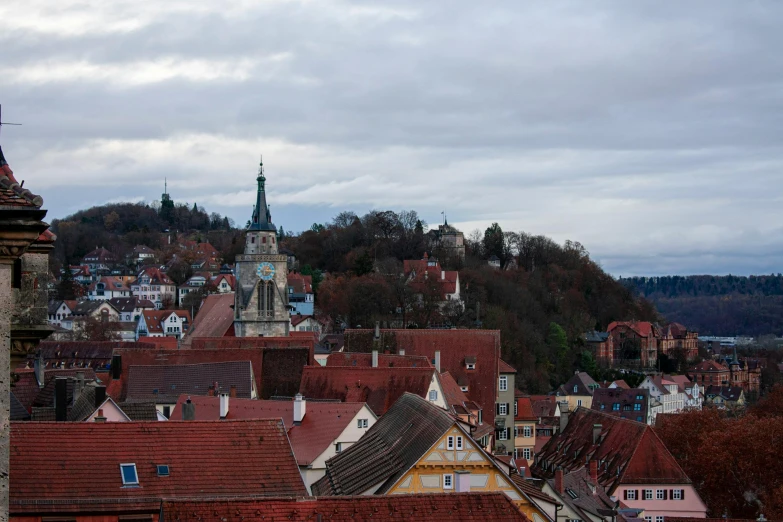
261	299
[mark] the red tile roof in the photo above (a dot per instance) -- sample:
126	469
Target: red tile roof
214	319
543	405
504	367
384	360
160	342
454	347
50	467
229	278
301	284
628	452
113	284
445	507
378	387
276	371
709	366
416	269
29	393
525	409
322	424
643	328
164	383
155	318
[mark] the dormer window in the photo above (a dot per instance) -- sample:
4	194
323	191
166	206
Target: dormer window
575	388
129	475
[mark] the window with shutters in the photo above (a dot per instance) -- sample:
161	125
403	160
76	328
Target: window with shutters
516	408
630	494
502	408
647	494
660	494
516	432
677	494
658	518
503	434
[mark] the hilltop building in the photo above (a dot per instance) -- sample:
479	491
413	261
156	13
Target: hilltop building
261	297
448	240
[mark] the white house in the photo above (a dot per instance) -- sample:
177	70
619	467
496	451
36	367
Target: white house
106	288
60	311
666	392
155	286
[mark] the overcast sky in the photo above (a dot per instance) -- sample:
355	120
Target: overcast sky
648	131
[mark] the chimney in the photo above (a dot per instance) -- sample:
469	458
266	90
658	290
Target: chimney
594	472
596	432
300	407
563	421
188	411
223	405
463	481
437	361
100	395
116	366
60	395
232	391
100	417
375	358
211	391
401	351
522	471
442	275
39	369
559	481
377	330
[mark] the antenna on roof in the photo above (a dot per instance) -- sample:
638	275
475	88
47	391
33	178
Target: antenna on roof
5	122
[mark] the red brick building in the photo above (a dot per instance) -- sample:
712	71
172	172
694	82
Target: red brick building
745	373
635	341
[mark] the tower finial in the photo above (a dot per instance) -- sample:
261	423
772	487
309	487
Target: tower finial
165	185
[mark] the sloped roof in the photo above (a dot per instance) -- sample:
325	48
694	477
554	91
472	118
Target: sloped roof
642	328
504	367
608	397
50	470
445	507
543	405
277	371
525	409
378	387
301	284
388	449
84	308
580	495
728	393
139	411
123	304
18	411
214	319
709	366
28	393
628	452
115	284
322	424
596	337
157	277
82	354
585	385
453	395
154	318
164	383
11	192
100	254
384	360
455	347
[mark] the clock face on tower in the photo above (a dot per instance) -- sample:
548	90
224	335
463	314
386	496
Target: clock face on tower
266	271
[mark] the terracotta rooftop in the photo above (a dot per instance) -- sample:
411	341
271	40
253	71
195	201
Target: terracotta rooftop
164	383
384	360
215	318
628	452
301	284
322	424
504	367
50	473
450	507
642	328
378	387
709	366
525	409
276	371
456	347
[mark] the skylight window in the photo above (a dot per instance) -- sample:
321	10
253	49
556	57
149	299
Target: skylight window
163	470
129	475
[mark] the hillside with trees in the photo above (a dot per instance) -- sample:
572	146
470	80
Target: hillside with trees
543	299
717	305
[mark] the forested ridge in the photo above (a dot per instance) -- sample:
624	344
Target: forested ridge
717	305
543	300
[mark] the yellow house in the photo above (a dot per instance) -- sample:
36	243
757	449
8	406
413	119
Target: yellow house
577	392
419	448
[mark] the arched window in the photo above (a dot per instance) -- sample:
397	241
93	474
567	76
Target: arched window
260	298
270	298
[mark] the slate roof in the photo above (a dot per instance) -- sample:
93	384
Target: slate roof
82	354
456	347
11	192
129	304
139	411
215	318
322	424
604	400
596	337
531	489
581	496
250	457
384	360
388	449
85	308
445	507
727	393
585	385
164	383
627	452
378	387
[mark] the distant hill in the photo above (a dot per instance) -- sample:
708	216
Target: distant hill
717	305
